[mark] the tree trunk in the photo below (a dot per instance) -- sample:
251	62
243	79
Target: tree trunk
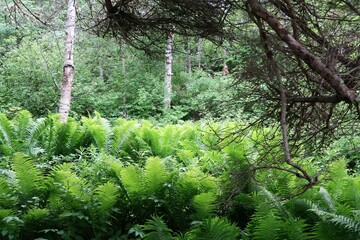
68	68
188	56
168	71
200	51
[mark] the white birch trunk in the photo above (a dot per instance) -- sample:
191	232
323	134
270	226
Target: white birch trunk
168	71
69	67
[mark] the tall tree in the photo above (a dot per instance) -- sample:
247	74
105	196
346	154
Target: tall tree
69	67
168	71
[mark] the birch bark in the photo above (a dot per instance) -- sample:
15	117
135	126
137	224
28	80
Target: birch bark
69	67
168	71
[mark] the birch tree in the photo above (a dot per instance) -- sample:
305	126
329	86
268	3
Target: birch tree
168	71
69	67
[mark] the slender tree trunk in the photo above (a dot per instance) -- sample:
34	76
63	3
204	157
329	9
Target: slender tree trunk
69	67
168	71
188	56
200	51
123	57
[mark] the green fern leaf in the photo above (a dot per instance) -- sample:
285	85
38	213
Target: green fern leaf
342	221
5	194
106	195
131	178
100	130
216	229
6	134
36	214
294	229
76	189
22	124
6	213
155	175
275	202
327	198
156	229
29	177
204	204
122	132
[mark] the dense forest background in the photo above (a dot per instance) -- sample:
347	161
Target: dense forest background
221	119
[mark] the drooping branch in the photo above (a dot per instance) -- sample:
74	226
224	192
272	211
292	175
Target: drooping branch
315	63
274	73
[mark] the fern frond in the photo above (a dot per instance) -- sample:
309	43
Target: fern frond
36	214
267	227
75	188
342	221
29	177
204	204
274	201
152	137
169	138
157	229
37	130
294	229
216	229
327	198
5	194
6	213
155	175
106	196
100	130
43	134
131	177
22	124
6	134
122	131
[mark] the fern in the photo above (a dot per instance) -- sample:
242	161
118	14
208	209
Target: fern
155	175
215	229
6	213
170	136
268	226
327	198
342	221
5	194
73	190
122	132
22	123
36	214
106	196
37	130
29	177
100	130
6	135
69	136
204	204
43	134
156	229
275	202
152	137
294	229
131	178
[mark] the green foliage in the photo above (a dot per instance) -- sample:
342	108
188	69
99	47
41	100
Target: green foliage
29	179
215	229
93	179
157	229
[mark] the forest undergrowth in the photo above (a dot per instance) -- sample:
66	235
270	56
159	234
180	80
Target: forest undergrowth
132	179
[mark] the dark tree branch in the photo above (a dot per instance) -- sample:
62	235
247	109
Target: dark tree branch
309	58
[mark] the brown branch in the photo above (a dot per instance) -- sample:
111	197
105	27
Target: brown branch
314	99
308	57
